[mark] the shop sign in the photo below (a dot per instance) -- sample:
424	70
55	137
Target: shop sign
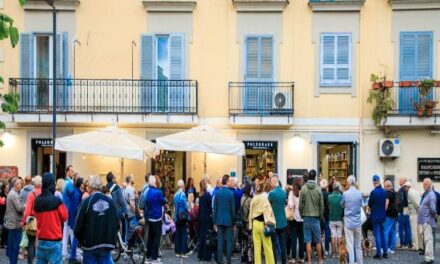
7	172
428	168
42	142
263	145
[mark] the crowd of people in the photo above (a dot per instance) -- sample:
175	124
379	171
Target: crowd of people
78	219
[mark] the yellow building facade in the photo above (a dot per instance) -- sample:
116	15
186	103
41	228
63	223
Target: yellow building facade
288	78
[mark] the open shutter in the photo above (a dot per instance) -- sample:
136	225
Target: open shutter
27	91
177	93
64	71
408	57
343	59
148	89
424	58
59	59
265	93
328	48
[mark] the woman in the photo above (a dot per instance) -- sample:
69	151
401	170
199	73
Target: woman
190	188
204	222
3	193
261	214
181	215
73	212
59	188
86	190
296	226
267	187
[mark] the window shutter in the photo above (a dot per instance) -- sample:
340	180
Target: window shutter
328	46
424	58
26	55
251	59
147	57
343	58
59	59
176	57
65	52
266	61
408	57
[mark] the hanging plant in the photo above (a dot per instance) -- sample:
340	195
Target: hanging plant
381	98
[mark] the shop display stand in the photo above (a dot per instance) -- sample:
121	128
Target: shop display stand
164	167
338	166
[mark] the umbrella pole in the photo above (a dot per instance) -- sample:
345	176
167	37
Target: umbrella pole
204	165
122	170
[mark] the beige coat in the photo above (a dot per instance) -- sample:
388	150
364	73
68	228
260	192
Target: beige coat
14	211
260	206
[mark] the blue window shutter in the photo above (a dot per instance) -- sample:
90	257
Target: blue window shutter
147	57
148	89
335	61
65	52
328	50
59	60
26	55
266	59
178	95
343	59
424	55
408	57
252	58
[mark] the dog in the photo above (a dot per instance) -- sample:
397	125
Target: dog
342	250
366	247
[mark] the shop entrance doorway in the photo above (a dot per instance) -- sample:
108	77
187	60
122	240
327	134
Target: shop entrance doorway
260	158
337	160
41	157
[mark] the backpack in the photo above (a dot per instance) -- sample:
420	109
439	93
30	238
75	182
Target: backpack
437	204
240	215
143	197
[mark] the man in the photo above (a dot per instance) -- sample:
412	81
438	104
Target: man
50	213
426	219
28	188
67	194
404	224
311	208
391	217
95	226
155	202
12	220
336	213
130	197
277	199
29	212
180	205
352	204
223	219
218	186
376	202
324	188
413	211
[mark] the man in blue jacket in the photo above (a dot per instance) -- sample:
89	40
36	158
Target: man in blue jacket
224	218
377	206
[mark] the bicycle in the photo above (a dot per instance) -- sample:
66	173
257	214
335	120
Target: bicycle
136	249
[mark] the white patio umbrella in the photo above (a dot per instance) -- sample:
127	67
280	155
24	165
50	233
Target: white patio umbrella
110	141
202	138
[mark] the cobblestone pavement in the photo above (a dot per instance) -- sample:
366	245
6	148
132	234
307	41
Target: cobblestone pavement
402	256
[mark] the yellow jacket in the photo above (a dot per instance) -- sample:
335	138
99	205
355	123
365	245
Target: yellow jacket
260	205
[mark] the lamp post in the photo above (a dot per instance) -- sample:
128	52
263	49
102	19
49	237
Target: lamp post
54	83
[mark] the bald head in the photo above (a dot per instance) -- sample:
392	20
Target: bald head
402	181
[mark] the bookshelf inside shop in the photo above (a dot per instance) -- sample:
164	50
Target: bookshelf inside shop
338	166
259	162
164	167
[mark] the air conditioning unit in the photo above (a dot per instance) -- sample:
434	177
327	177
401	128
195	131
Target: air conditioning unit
280	99
389	148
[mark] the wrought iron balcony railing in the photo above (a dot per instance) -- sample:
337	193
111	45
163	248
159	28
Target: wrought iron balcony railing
409	101
261	98
107	96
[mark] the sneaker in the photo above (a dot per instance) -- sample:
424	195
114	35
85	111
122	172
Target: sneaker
184	255
385	256
377	257
390	251
326	253
177	255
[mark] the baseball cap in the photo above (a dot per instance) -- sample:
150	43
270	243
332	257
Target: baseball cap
376	177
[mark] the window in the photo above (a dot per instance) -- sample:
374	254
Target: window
259	58
335	59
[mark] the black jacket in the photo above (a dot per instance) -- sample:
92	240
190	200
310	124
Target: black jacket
96	224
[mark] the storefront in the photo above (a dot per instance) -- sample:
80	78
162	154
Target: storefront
170	166
41	157
336	160
261	158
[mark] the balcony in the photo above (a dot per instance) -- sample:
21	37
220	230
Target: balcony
107	96
268	103
405	112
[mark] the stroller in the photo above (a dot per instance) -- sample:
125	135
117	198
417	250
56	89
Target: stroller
247	249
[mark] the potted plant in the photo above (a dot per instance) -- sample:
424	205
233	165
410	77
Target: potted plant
429	106
406	84
420	109
381	98
425	104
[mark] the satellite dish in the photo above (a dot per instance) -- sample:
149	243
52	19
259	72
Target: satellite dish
279	100
387	147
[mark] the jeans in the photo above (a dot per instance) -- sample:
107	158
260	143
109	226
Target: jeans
224	234
405	230
297	233
281	238
154	235
73	248
181	239
31	249
49	252
354	246
203	252
13	247
379	236
97	257
327	235
390	233
66	236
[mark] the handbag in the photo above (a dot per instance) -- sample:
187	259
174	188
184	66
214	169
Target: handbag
289	213
269	230
363	216
31	223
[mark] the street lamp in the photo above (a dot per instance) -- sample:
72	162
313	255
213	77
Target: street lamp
54	83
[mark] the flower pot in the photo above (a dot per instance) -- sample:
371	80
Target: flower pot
388	84
437	84
406	84
428	112
420	112
376	86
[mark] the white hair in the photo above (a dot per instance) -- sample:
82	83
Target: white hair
152	180
351	180
180	183
95	182
37	180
